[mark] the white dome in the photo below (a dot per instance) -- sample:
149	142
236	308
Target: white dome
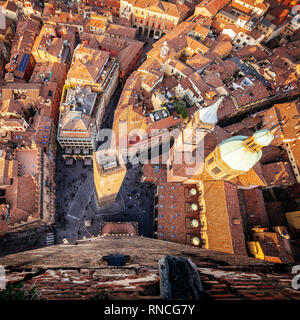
210	114
263	137
236	156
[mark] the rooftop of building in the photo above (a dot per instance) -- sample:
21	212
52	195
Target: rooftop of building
126	48
80	99
212	6
172	9
109	161
119	228
21	190
45	72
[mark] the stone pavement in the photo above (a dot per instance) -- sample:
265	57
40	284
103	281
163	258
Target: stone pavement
76	211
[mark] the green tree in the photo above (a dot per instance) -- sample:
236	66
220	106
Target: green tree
184	114
180	108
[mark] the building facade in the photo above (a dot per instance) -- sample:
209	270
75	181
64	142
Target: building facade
154	18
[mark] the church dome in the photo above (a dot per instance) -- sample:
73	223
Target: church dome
237	156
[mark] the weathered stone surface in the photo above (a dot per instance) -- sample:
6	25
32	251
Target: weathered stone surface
142	252
77	271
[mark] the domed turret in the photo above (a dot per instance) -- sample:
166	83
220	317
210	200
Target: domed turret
195	241
195	223
192	192
237	155
194	207
263	137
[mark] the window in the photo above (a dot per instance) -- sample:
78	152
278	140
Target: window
216	170
210	160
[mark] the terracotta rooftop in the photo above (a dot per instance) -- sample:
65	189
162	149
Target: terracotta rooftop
91	67
22	191
224	234
212	6
117	228
279	173
171	9
255	207
126	49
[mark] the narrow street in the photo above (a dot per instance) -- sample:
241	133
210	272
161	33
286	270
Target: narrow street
76	211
